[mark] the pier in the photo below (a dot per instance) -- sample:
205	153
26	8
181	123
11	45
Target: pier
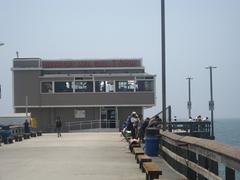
103	156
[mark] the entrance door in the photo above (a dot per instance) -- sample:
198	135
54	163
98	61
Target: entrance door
108	118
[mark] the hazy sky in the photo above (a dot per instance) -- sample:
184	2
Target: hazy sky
199	33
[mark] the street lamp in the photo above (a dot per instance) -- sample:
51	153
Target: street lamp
211	102
1	44
189	103
163	66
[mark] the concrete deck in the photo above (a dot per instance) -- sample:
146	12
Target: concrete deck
80	156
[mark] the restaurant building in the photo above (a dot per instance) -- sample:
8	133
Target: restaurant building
83	93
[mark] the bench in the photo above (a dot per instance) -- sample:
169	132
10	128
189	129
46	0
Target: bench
18	138
134	145
10	139
137	151
152	170
142	159
39	133
33	134
26	135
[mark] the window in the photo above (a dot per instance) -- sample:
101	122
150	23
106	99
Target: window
125	85
83	86
104	86
144	85
46	87
63	86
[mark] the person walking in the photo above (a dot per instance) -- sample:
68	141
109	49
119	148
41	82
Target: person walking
59	126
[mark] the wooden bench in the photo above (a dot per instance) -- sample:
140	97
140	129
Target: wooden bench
33	134
39	133
137	151
134	145
142	159
10	139
152	170
18	138
26	135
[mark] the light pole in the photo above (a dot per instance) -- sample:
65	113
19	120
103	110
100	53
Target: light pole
163	66
1	44
211	102
189	103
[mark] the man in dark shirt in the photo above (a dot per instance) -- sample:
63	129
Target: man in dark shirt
59	126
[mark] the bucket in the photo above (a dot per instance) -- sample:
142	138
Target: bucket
151	146
128	134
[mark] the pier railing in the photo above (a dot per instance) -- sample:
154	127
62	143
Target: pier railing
89	124
198	158
191	128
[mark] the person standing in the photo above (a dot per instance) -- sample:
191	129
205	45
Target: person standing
26	127
59	126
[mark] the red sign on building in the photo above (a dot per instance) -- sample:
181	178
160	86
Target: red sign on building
91	63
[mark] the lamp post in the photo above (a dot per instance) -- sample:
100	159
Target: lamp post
211	102
189	103
1	44
163	66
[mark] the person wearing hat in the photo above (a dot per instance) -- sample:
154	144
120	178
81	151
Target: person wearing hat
132	124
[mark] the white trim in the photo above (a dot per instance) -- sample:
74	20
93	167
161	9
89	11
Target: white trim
102	105
25	69
78	68
27	59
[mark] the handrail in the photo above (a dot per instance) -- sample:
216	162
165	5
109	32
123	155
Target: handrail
202	156
89	124
168	114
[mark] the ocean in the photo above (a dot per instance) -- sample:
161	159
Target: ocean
227	131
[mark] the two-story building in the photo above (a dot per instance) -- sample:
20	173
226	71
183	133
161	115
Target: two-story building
83	93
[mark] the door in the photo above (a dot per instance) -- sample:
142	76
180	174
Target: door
108	118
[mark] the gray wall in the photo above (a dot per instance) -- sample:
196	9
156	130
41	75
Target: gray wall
46	116
138	98
26	83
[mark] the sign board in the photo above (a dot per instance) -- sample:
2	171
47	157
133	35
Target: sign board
79	113
91	63
211	105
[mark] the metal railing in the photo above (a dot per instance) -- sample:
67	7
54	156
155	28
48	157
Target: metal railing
168	114
89	124
191	128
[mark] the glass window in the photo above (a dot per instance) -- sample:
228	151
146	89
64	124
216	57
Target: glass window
104	86
46	87
100	86
125	85
83	86
143	85
63	86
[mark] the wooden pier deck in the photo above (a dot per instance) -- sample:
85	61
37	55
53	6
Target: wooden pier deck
95	155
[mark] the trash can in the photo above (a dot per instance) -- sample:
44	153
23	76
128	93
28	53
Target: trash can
151	142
